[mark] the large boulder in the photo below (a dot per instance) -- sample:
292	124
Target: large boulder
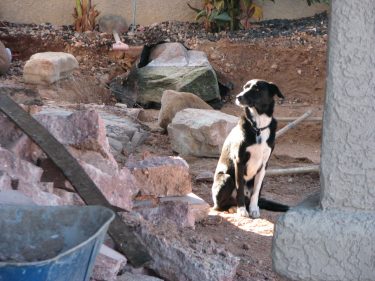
172	67
200	132
48	67
173	102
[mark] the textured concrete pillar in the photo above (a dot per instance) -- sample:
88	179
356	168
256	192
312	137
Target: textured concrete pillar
332	237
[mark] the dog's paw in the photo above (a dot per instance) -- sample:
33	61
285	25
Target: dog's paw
255	213
241	211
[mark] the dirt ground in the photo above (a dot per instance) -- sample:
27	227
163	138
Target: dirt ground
300	74
297	66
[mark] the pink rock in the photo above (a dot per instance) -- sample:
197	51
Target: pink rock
197	206
34	192
83	131
68	198
162	176
18	169
5	181
108	264
13	139
119	188
177	211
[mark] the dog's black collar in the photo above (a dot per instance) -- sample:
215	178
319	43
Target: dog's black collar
253	124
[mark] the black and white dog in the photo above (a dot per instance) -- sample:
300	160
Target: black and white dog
242	165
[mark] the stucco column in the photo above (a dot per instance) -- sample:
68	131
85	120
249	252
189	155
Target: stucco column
332	236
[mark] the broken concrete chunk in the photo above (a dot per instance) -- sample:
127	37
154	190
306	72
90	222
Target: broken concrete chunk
176	211
34	192
162	176
18	169
108	263
84	132
197	206
14	197
127	276
183	255
200	132
48	67
119	188
68	198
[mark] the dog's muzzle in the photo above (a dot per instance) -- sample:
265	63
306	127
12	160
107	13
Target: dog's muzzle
239	100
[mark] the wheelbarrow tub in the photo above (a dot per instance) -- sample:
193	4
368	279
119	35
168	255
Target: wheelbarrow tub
54	243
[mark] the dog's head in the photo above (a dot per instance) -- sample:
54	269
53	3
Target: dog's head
259	94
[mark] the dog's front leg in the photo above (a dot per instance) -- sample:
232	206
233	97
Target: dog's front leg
240	182
254	208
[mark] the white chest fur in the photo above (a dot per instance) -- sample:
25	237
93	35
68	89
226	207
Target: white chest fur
259	152
259	155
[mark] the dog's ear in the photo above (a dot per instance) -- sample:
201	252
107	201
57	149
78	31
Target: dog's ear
274	90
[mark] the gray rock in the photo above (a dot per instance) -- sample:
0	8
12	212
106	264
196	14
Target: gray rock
108	23
182	254
173	102
200	132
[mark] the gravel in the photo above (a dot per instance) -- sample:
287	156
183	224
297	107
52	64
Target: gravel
173	31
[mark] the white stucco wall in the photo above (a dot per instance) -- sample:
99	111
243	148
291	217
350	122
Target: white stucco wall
148	11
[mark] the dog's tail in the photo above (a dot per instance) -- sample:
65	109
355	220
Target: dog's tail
272	206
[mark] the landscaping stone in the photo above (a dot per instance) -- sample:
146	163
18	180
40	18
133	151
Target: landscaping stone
172	67
182	254
197	206
68	198
14	197
119	187
18	169
127	276
5	181
89	143
174	210
173	102
34	192
162	176
200	132
14	140
108	23
48	67
108	263
124	130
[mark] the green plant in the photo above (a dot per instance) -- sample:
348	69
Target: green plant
250	10
84	15
310	2
218	14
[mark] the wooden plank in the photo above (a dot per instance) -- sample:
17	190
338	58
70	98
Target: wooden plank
291	171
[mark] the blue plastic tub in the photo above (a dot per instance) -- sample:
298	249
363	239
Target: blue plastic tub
40	243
